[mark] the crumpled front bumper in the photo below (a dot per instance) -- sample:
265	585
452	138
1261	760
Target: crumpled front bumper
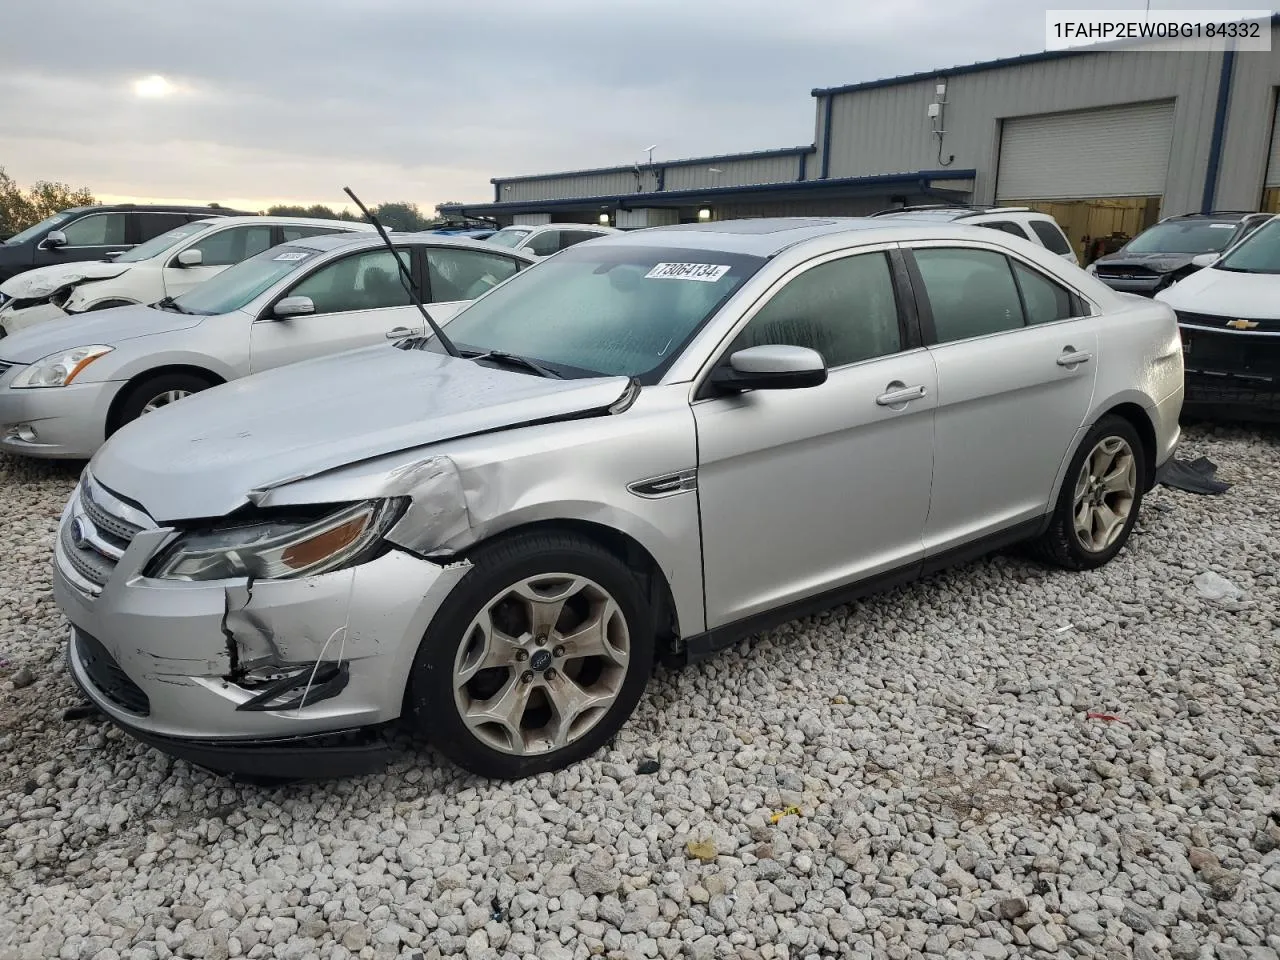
167	660
14	320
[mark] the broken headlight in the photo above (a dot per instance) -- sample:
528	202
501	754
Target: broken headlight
280	550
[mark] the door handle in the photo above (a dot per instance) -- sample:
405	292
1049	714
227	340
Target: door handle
1071	358
398	332
897	393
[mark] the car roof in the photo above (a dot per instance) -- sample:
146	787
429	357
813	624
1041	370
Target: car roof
337	241
157	208
348	225
1220	215
767	236
559	226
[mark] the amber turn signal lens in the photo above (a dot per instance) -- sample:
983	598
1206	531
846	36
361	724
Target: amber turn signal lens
325	544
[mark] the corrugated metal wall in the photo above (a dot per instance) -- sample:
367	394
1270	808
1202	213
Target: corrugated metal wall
581	185
734	173
1248	133
887	129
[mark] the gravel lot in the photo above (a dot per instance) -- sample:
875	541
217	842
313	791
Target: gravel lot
953	792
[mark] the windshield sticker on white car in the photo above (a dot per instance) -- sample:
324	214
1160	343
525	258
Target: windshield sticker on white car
703	272
292	256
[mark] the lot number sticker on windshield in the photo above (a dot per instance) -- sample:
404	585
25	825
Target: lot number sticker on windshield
1223	226
704	272
291	256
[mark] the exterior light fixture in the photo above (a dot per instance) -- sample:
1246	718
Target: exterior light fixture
704	214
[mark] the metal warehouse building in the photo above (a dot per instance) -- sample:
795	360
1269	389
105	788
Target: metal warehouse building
1107	141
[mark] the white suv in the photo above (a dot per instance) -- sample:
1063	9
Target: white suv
165	266
1039	228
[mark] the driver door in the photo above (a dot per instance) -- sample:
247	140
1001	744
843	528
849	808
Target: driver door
359	301
803	491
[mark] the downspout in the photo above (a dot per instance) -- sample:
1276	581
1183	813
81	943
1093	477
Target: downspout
826	135
1219	130
800	172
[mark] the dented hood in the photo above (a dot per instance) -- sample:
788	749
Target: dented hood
201	457
42	281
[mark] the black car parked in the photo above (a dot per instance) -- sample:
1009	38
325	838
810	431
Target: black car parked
95	233
1162	254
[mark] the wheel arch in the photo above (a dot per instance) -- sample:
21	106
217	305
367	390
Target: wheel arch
1138	418
634	553
122	395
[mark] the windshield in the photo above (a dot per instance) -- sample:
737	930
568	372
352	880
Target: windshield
1183	236
158	245
234	287
508	237
39	228
1257	253
603	310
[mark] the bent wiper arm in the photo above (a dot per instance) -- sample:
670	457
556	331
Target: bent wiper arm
514	361
405	278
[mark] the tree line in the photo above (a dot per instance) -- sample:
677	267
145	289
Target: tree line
21	208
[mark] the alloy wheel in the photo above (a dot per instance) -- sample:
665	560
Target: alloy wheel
1105	493
541	664
164	399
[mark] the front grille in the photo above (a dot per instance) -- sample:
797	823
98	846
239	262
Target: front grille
95	535
1125	273
1228	323
111	681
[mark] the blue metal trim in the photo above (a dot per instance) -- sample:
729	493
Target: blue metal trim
921	179
691	162
1219	131
826	137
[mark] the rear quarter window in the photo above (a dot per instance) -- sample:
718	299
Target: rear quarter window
1053	238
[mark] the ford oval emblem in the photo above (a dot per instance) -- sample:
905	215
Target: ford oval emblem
78	535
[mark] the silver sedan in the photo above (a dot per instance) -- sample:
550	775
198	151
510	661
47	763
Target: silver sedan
645	447
67	384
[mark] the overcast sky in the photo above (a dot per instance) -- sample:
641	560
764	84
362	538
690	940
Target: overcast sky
290	100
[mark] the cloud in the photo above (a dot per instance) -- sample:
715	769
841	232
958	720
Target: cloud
426	100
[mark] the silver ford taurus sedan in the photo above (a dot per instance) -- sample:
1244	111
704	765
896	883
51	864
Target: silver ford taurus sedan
645	447
67	384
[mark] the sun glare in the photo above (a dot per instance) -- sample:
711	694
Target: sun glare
152	87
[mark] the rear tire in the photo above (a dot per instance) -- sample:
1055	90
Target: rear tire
1100	498
536	659
157	392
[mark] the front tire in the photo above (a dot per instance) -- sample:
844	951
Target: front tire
156	392
1100	498
536	659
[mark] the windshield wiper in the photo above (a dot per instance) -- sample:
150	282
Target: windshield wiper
512	360
168	303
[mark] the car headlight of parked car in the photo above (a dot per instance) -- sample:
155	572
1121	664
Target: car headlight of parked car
279	550
59	369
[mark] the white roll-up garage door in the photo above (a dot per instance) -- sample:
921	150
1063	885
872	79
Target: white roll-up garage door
1113	152
1273	164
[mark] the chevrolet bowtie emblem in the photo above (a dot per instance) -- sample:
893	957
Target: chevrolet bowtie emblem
1242	324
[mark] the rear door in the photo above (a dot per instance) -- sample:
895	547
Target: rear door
359	301
218	250
1016	360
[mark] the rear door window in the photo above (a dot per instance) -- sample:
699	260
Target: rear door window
464	274
971	293
232	245
296	232
569	237
153	224
1006	226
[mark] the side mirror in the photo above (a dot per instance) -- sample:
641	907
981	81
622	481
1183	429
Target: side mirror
54	239
771	367
1204	260
294	307
190	258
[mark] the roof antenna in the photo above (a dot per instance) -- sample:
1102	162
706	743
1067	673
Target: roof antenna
405	278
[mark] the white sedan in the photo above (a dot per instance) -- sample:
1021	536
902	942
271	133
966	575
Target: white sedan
165	266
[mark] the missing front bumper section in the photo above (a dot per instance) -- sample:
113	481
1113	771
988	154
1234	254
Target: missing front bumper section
304	685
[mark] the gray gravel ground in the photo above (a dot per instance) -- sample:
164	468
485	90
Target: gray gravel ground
955	797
